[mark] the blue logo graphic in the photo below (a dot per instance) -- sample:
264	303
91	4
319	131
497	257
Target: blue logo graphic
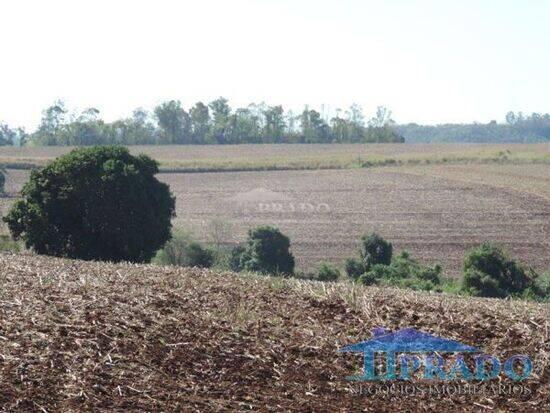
407	351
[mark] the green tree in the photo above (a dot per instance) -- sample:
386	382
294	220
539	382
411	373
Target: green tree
246	126
200	123
381	118
267	251
137	130
375	250
7	135
87	130
274	124
221	111
489	272
174	123
313	128
98	203
51	130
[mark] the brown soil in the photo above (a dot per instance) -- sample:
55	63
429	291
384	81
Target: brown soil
325	212
85	336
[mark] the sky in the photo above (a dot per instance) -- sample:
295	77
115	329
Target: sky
428	61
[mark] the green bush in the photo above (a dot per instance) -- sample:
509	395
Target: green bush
98	203
174	251
540	290
235	258
8	244
378	273
267	251
327	272
489	272
354	268
181	250
403	272
375	250
542	283
198	256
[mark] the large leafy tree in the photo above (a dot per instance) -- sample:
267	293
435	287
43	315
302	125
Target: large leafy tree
174	122
200	122
274	127
98	203
52	128
221	121
137	130
314	129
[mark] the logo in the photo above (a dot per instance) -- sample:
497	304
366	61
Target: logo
267	201
408	354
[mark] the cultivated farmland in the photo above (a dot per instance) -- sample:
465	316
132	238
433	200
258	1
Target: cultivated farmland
89	336
436	212
296	156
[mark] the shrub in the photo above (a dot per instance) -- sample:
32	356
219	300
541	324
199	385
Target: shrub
375	250
403	272
98	203
198	256
267	251
378	273
174	251
354	268
542	283
489	272
8	244
327	272
540	290
181	250
235	258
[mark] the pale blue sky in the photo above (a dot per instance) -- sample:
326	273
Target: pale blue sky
429	61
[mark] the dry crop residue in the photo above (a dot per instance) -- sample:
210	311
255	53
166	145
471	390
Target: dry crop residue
86	336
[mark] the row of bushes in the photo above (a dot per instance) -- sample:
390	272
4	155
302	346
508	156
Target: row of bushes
488	270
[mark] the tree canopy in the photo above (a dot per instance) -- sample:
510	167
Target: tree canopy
213	123
98	203
217	122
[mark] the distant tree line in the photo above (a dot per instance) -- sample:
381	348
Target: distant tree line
218	123
214	123
519	128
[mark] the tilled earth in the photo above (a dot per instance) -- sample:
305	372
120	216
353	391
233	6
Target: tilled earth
86	336
325	212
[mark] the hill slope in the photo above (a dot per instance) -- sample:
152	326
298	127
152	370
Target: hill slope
92	336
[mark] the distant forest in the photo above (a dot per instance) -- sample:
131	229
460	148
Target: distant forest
218	123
